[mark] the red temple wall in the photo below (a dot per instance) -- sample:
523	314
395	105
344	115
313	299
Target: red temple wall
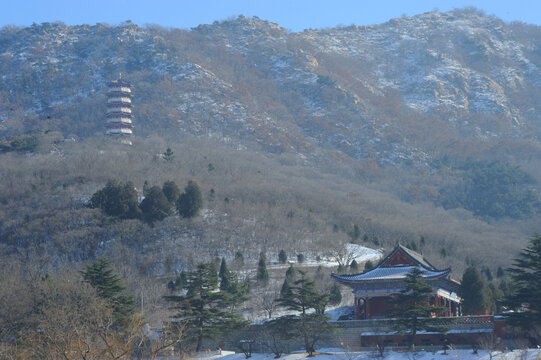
378	306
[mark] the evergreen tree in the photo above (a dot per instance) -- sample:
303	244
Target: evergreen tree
368	265
285	290
171	191
262	273
109	286
412	309
474	292
302	297
282	257
178	283
118	200
353	266
300	258
204	308
525	297
155	206
224	275
230	284
291	273
335	296
190	201
487	273
168	155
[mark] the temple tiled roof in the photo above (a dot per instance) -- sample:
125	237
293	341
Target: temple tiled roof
390	273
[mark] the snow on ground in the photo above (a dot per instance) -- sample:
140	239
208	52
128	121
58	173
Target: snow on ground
360	253
339	354
335	313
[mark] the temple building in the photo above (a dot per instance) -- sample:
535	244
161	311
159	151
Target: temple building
374	288
119	112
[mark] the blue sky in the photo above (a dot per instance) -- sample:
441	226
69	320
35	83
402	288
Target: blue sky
295	15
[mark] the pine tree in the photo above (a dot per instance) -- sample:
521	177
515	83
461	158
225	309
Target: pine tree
291	273
282	257
368	265
224	275
116	199
353	266
109	286
205	309
155	206
168	155
526	294
171	191
262	273
178	283
190	201
285	290
412	309
474	292
302	297
335	296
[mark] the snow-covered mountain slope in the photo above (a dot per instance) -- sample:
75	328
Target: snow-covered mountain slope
403	92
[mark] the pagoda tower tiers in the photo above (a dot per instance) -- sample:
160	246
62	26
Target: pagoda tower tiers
119	112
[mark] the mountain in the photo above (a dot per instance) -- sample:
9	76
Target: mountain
415	109
408	90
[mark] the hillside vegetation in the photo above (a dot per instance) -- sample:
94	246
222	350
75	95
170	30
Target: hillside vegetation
421	130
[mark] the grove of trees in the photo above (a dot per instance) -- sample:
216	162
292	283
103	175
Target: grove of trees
121	201
204	307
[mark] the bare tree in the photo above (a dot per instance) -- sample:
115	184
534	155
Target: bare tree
341	254
265	298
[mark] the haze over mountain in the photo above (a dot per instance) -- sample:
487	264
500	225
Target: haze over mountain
405	113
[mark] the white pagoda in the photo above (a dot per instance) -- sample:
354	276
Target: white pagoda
119	112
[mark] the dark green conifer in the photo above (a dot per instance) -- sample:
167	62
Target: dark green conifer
108	285
412	309
475	295
282	257
224	275
262	273
205	309
190	202
526	292
171	191
335	296
354	267
116	199
155	206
